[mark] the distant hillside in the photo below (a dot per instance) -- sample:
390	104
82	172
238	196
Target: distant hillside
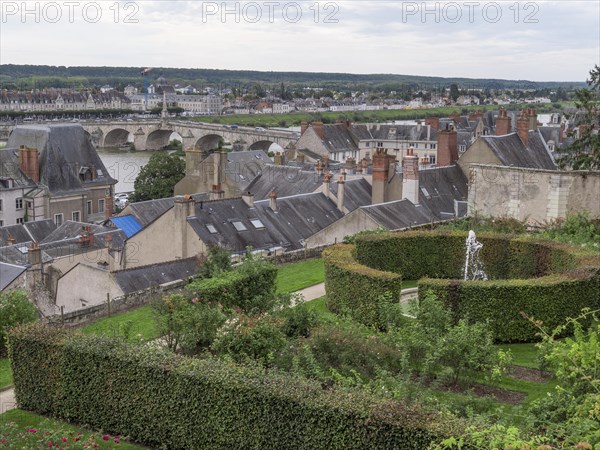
24	76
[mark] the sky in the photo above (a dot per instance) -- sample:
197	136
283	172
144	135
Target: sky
518	40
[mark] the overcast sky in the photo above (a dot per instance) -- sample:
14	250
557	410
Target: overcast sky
540	41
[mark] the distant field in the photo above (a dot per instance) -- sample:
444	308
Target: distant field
286	120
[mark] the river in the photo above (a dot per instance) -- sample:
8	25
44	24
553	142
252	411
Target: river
123	166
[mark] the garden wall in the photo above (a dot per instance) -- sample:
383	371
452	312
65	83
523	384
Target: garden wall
167	401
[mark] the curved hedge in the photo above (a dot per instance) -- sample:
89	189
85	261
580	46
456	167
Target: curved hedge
164	400
354	288
545	279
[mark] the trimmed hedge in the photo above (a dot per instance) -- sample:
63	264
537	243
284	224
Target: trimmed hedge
164	400
240	287
546	279
354	288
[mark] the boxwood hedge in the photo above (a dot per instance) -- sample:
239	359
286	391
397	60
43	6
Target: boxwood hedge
354	288
165	400
546	279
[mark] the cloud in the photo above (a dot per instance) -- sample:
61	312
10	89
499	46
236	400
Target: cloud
533	40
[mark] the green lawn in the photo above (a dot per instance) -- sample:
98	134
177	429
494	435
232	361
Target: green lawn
295	276
523	354
142	324
5	373
16	426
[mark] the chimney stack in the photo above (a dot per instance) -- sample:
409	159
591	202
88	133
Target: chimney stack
303	127
326	185
248	198
108	241
447	149
300	158
341	193
532	113
273	201
108	204
433	122
183	207
219	162
410	177
503	123
561	133
523	127
278	159
10	240
319	129
29	162
381	175
34	254
319	167
87	236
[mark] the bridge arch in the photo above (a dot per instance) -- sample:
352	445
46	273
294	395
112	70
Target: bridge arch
264	145
159	139
208	142
117	137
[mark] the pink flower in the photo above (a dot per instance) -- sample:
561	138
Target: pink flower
106	438
195	300
32	430
116	441
64	439
49	444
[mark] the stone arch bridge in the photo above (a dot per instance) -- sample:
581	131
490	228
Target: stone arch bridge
155	134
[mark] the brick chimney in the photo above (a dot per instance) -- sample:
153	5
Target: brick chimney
503	123
319	129
273	201
29	162
34	254
433	122
523	127
381	175
303	127
219	163
319	167
248	198
10	240
108	204
447	146
86	238
410	177
341	191
108	241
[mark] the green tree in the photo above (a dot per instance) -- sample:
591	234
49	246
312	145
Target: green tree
15	309
158	178
584	152
454	93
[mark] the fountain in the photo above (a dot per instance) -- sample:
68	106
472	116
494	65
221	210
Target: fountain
473	264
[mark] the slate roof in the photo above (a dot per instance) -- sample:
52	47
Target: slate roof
26	232
357	193
285	181
244	167
439	187
17	254
296	218
72	230
148	211
511	151
9	273
401	132
140	278
9	168
398	215
338	138
64	150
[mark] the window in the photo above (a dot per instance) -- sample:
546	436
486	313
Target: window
257	224
29	204
432	159
58	219
76	216
0	204
89	207
239	226
20	220
19	203
101	205
211	229
1	223
380	144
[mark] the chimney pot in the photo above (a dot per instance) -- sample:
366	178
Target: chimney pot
273	201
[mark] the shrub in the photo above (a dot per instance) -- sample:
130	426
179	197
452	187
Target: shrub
217	262
299	321
15	308
164	400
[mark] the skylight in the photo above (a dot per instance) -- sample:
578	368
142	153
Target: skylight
257	223
425	192
211	229
239	226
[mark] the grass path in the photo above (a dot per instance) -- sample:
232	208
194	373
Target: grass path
6	379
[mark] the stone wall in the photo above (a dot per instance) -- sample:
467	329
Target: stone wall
531	195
